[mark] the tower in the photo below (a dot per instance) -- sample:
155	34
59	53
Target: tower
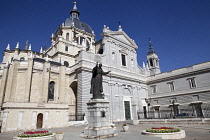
152	60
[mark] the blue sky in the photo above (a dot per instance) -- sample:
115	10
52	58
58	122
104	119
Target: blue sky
179	29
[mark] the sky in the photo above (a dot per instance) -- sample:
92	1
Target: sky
179	29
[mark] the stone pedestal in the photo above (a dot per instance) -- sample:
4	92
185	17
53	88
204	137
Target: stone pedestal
98	120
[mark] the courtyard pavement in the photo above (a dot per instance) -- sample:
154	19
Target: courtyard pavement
193	132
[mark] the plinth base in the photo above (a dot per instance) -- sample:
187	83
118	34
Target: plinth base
98	120
102	132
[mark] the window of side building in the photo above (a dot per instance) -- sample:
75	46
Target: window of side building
171	86
192	82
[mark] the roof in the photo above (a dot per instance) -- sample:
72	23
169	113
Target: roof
78	24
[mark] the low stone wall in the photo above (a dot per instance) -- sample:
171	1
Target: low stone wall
166	136
187	121
35	138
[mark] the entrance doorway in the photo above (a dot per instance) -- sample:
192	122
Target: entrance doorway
198	110
127	110
157	112
74	115
145	112
39	120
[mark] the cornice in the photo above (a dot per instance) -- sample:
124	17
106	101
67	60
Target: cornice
159	95
152	79
116	75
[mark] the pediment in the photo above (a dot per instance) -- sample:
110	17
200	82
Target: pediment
123	37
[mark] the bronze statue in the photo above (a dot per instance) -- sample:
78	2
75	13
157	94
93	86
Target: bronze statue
96	82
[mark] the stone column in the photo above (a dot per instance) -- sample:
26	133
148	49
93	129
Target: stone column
14	81
28	80
45	83
62	84
3	84
134	111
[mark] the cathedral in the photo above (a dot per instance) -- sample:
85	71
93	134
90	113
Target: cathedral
50	88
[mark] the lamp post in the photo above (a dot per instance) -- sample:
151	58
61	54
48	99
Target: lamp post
173	103
148	100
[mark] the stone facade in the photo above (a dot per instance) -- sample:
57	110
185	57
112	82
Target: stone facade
51	87
184	90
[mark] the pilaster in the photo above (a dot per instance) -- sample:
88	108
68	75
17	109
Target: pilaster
62	84
3	84
28	80
12	81
45	83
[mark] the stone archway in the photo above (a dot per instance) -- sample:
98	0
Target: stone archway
39	120
73	106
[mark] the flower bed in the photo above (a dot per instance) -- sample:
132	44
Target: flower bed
162	130
34	134
165	133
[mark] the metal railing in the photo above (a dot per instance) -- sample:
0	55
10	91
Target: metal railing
181	112
76	117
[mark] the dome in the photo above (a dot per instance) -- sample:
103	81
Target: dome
78	24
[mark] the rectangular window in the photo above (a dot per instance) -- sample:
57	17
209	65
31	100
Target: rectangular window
171	86
195	97
123	59
155	101
66	48
153	89
192	83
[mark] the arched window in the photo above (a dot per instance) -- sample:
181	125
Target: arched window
51	91
87	45
151	62
101	49
66	48
67	36
22	59
81	40
66	63
113	56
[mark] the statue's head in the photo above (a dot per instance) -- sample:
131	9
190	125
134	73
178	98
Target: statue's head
100	65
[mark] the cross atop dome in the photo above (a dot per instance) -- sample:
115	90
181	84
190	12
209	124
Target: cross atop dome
74	12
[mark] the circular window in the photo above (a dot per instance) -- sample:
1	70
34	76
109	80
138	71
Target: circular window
66	63
22	59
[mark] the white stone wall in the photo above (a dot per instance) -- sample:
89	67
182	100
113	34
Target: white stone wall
26	119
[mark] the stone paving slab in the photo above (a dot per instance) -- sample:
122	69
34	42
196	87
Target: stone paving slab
134	133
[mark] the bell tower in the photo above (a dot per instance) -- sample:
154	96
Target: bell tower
152	60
